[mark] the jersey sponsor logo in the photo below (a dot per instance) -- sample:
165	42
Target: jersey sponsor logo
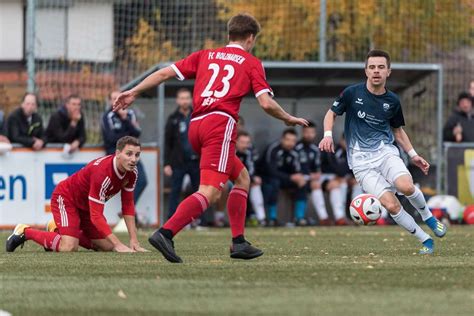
335	103
361	114
386	106
359	101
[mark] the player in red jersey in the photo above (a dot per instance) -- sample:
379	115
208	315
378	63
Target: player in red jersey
223	77
77	204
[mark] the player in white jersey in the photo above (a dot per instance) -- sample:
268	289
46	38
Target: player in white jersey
373	121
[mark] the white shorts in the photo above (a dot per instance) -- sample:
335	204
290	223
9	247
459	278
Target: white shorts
378	176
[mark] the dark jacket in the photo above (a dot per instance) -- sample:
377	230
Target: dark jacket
278	162
467	124
113	128
59	129
335	163
177	147
310	157
3	131
19	130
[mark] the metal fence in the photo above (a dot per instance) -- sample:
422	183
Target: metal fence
92	47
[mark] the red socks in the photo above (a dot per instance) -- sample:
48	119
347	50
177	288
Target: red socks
237	210
190	209
49	240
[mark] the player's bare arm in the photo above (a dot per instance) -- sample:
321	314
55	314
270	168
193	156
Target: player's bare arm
126	98
327	143
274	109
404	141
132	232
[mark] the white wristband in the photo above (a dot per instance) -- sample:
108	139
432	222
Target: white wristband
328	134
412	153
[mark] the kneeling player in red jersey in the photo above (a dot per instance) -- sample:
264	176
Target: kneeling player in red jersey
77	204
223	77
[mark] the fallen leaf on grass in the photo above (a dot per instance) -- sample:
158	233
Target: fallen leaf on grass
121	294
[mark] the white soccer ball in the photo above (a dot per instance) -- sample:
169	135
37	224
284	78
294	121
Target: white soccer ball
365	209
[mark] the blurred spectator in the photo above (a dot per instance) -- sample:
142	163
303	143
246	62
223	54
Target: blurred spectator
114	126
25	126
67	125
460	125
3	137
280	168
471	89
243	147
180	159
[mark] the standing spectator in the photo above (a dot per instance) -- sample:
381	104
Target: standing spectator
67	125
471	89
180	159
460	125
280	169
116	125
25	126
243	147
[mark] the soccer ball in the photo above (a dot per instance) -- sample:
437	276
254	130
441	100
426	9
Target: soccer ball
365	209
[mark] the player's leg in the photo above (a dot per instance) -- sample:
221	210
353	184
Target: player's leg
317	197
404	185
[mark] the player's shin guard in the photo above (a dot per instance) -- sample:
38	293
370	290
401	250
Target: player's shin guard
336	203
317	198
188	210
418	201
49	240
237	210
406	221
256	198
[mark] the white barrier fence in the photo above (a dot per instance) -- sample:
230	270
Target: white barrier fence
27	180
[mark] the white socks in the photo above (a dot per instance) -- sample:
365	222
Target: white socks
406	221
317	198
335	196
418	201
256	198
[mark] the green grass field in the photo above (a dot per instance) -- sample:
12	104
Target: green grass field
305	271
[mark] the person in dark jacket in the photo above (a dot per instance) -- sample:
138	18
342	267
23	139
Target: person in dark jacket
280	168
116	125
180	158
67	125
460	125
3	132
25	126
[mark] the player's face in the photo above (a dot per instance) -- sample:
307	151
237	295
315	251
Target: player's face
377	71
29	105
184	100
128	157
288	141
242	143
309	134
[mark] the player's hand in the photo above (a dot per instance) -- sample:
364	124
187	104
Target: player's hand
135	245
292	121
168	171
421	163
124	100
38	144
327	144
122	248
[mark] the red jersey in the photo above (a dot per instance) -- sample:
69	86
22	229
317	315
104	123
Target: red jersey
223	77
95	184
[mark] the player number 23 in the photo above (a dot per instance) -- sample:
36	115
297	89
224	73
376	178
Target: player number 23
225	81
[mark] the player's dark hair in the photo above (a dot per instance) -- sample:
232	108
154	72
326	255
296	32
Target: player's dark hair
311	124
291	131
27	94
243	133
127	140
463	95
72	96
241	26
378	53
182	90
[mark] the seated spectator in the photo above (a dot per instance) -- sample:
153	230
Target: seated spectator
67	125
243	147
280	168
471	89
180	158
3	137
25	126
460	125
116	125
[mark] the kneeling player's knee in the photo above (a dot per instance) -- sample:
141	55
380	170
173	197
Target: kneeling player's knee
67	247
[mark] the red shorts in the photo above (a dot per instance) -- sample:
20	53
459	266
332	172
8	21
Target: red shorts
70	220
212	137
